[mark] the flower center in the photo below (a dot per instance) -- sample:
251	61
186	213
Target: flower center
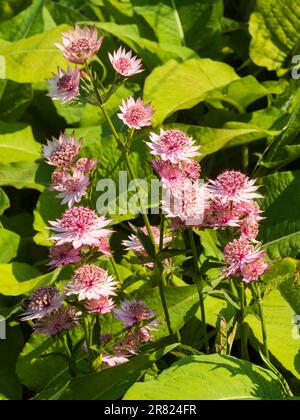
136	114
66	83
81	45
64	154
123	64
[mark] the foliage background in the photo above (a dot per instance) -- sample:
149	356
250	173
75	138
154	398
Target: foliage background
221	70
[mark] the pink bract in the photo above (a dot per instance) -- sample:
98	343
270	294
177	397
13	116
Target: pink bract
62	151
63	255
72	188
102	306
125	63
64	86
136	114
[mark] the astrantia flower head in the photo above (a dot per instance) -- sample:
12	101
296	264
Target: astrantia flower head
85	164
134	244
62	151
173	145
80	44
134	311
63	255
174	172
91	282
57	321
80	226
73	188
234	186
64	86
125	63
253	270
43	301
136	114
102	306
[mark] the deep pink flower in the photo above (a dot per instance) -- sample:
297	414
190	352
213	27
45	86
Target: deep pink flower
234	186
85	164
63	255
57	321
43	301
80	226
249	228
221	213
136	114
91	282
62	151
64	86
125	63
102	306
80	44
253	270
72	188
134	311
172	145
176	172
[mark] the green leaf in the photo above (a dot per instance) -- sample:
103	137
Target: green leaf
174	86
18	279
4	202
212	377
274	27
109	384
14	100
32	60
25	175
10	385
280	230
279	326
9	244
17	143
25	24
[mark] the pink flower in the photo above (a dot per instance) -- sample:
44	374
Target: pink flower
134	244
234	186
176	172
80	226
238	253
80	44
104	247
57	321
221	213
253	270
63	255
102	306
72	188
172	145
134	311
125	63
64	86
62	151
249	228
136	114
43	301
85	165
91	282
111	361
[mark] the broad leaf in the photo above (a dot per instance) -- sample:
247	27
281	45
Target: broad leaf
9	244
25	175
4	202
212	377
15	99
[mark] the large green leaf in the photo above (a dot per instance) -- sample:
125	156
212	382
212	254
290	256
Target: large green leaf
4	202
10	385
174	86
274	27
279	326
17	143
15	99
280	231
212	377
25	24
32	60
109	384
18	278
9	244
25	175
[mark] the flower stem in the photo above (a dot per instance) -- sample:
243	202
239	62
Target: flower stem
244	349
115	268
88	342
199	289
263	323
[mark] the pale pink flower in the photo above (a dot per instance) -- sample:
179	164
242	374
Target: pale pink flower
172	145
234	186
134	311
91	282
57	178
80	44
62	151
133	242
253	270
249	228
102	306
125	63
136	114
113	360
176	172
63	255
219	213
80	226
72	188
64	86
85	165
58	320
104	247
43	301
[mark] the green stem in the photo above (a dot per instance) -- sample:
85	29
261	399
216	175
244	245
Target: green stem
263	324
93	81
199	289
161	286
161	236
115	268
72	364
245	157
88	343
244	348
